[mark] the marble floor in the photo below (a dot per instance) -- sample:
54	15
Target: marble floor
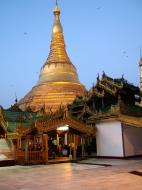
74	176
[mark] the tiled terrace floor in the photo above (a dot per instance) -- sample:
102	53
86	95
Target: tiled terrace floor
73	176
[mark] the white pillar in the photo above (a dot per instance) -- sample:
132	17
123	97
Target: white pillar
66	140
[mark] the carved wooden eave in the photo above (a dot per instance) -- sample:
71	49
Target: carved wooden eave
107	88
100	117
112	83
86	110
125	119
24	130
133	111
52	115
113	112
46	126
12	135
95	92
130	120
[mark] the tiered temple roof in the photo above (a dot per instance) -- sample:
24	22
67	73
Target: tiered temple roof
108	98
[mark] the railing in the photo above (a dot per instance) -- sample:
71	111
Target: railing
20	157
35	157
31	157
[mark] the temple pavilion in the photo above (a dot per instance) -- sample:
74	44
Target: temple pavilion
59	118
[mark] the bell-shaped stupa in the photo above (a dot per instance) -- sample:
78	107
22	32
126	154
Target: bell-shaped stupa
58	81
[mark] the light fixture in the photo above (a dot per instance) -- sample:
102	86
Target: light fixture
63	128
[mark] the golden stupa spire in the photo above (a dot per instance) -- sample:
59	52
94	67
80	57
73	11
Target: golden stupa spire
58	81
58	52
57	27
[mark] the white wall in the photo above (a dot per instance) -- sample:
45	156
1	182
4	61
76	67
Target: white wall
6	149
132	140
109	139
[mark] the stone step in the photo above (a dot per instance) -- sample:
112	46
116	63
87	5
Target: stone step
7	163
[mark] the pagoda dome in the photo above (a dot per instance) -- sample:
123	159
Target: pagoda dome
58	72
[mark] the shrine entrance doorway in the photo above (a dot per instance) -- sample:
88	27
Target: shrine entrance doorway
53	139
65	143
66	136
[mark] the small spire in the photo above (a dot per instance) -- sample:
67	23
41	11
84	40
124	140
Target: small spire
98	77
56	9
57	25
57	47
16	99
104	74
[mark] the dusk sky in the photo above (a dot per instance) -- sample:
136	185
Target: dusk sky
100	35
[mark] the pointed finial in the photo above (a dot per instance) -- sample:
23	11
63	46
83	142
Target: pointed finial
98	77
57	25
56	9
104	74
16	100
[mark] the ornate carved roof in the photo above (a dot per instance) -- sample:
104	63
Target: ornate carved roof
60	118
106	99
14	108
112	86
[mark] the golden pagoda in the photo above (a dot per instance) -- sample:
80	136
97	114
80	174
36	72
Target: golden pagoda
58	81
